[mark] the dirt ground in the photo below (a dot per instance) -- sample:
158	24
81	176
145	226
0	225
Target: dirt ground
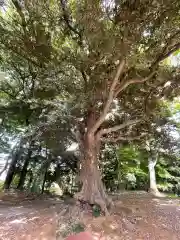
135	216
27	218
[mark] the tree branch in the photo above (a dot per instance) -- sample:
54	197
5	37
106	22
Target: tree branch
175	48
68	22
20	12
119	127
165	54
85	79
109	99
16	51
125	84
122	138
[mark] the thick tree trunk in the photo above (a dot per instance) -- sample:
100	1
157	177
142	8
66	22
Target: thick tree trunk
152	175
92	190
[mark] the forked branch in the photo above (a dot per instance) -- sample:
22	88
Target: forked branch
125	84
110	98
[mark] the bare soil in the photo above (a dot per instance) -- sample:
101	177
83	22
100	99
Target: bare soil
25	217
135	216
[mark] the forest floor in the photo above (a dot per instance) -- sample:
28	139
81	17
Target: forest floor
135	215
27	217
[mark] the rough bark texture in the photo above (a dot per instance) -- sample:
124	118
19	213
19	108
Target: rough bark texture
92	190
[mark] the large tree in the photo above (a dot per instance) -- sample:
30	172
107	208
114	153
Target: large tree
102	61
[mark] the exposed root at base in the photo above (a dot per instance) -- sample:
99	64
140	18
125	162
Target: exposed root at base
156	193
103	204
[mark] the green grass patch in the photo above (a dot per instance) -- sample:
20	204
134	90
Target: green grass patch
171	195
96	211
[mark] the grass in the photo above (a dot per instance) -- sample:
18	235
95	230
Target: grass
171	195
96	211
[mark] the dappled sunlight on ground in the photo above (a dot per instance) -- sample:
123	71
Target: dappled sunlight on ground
133	217
27	220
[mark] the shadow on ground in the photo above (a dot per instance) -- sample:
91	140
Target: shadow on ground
135	215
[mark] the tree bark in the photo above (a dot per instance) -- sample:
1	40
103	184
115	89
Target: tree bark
152	174
30	180
24	170
92	190
44	180
12	167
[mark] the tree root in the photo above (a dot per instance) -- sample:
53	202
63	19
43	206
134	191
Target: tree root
104	204
156	193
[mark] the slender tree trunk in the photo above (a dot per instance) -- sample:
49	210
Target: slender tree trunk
92	190
46	166
44	180
12	167
10	173
24	171
30	180
152	174
25	166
